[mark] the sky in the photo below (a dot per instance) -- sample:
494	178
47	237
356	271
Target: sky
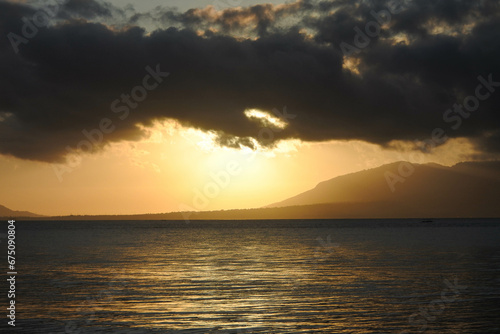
120	107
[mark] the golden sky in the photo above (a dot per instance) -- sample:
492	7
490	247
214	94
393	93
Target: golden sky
185	93
168	170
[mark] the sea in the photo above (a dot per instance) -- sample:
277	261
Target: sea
267	276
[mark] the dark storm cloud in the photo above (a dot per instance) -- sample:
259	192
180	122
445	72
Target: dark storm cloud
65	78
92	10
88	8
258	18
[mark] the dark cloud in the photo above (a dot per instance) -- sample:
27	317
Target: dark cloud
258	19
88	9
65	79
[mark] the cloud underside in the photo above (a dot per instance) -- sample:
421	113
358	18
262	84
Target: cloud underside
399	85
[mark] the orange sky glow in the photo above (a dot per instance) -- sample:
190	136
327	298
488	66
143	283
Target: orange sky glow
175	168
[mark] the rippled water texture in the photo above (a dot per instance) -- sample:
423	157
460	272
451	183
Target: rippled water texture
259	277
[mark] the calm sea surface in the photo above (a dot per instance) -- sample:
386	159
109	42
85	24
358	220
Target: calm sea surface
341	276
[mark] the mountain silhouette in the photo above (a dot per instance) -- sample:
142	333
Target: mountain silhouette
470	189
396	190
6	212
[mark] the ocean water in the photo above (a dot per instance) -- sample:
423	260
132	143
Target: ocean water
339	276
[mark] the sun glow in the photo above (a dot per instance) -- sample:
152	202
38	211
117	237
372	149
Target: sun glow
172	164
265	118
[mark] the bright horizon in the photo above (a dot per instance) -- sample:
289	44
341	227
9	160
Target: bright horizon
144	177
217	105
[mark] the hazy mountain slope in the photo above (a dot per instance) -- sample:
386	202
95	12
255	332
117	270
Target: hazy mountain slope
431	187
6	212
468	190
371	210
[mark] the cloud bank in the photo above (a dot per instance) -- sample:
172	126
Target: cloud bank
396	83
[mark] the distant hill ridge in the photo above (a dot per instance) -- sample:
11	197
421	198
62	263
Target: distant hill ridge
6	212
467	190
